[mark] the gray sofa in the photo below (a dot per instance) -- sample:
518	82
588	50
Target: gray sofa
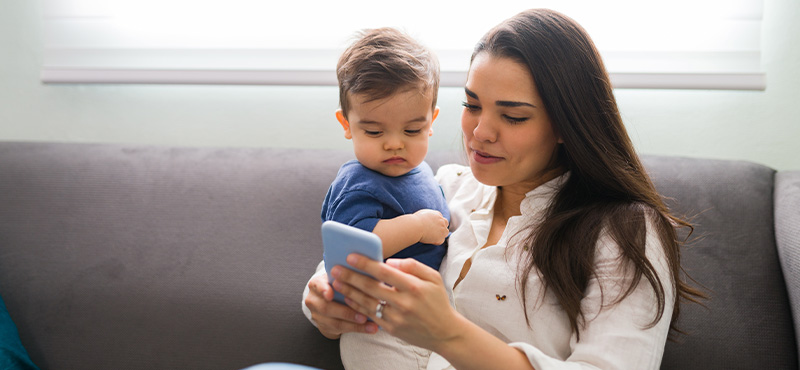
135	257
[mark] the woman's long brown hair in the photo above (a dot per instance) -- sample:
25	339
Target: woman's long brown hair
607	190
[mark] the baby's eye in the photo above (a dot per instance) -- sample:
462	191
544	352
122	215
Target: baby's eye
372	133
413	132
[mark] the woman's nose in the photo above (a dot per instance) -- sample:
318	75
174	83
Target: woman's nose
485	131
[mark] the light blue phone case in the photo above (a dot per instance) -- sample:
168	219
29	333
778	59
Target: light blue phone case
339	240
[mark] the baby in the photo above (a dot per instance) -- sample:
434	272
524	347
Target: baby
387	91
388	84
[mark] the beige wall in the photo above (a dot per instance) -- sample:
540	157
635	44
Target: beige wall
762	127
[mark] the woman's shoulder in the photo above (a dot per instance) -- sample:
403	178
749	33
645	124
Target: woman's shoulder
651	224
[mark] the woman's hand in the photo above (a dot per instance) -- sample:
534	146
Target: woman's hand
417	308
418	311
333	318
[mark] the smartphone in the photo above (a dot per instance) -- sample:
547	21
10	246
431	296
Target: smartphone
339	240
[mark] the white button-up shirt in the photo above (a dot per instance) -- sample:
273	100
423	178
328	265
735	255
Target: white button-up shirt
616	336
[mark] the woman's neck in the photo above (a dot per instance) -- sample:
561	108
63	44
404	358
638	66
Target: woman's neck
509	198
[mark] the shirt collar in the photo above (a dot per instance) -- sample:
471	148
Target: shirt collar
537	199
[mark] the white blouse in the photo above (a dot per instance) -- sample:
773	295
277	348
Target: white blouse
614	337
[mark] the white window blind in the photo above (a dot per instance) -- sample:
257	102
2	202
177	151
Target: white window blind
686	44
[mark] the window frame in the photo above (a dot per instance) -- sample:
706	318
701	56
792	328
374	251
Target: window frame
80	48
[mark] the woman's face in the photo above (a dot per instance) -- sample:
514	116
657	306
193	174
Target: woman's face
507	132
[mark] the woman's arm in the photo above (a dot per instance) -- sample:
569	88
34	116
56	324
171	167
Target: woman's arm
418	311
623	334
617	334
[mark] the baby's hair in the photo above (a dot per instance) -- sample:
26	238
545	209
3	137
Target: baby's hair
385	61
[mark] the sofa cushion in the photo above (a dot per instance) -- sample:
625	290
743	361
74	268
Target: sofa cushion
745	322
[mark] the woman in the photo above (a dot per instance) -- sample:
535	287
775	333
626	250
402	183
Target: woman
563	254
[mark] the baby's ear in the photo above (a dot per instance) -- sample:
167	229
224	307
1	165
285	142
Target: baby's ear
435	114
344	123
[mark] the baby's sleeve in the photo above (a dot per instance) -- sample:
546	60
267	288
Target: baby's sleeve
357	208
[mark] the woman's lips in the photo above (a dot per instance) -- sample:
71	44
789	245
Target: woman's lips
484	158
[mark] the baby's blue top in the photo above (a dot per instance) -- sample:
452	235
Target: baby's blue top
361	197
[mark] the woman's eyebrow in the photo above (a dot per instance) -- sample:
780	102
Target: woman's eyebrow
470	93
506	103
502	103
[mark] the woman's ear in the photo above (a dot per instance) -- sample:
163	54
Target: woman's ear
435	114
559	139
345	125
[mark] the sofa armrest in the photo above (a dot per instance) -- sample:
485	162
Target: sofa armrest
787	236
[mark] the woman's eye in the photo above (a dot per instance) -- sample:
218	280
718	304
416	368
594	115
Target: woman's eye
514	120
471	107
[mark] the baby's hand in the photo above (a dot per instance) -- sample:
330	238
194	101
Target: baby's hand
434	226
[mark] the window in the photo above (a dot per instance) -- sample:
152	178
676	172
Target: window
701	44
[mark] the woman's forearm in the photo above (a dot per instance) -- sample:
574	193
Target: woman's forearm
475	348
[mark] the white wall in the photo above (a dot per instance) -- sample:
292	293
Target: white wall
762	127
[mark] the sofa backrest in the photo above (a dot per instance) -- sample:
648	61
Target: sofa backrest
122	257
132	257
747	321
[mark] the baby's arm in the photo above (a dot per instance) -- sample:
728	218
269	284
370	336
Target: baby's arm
425	226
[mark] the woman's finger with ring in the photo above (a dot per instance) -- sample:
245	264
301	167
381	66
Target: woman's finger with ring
379	309
359	301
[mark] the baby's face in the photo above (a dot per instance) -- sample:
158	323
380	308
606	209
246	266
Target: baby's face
390	135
